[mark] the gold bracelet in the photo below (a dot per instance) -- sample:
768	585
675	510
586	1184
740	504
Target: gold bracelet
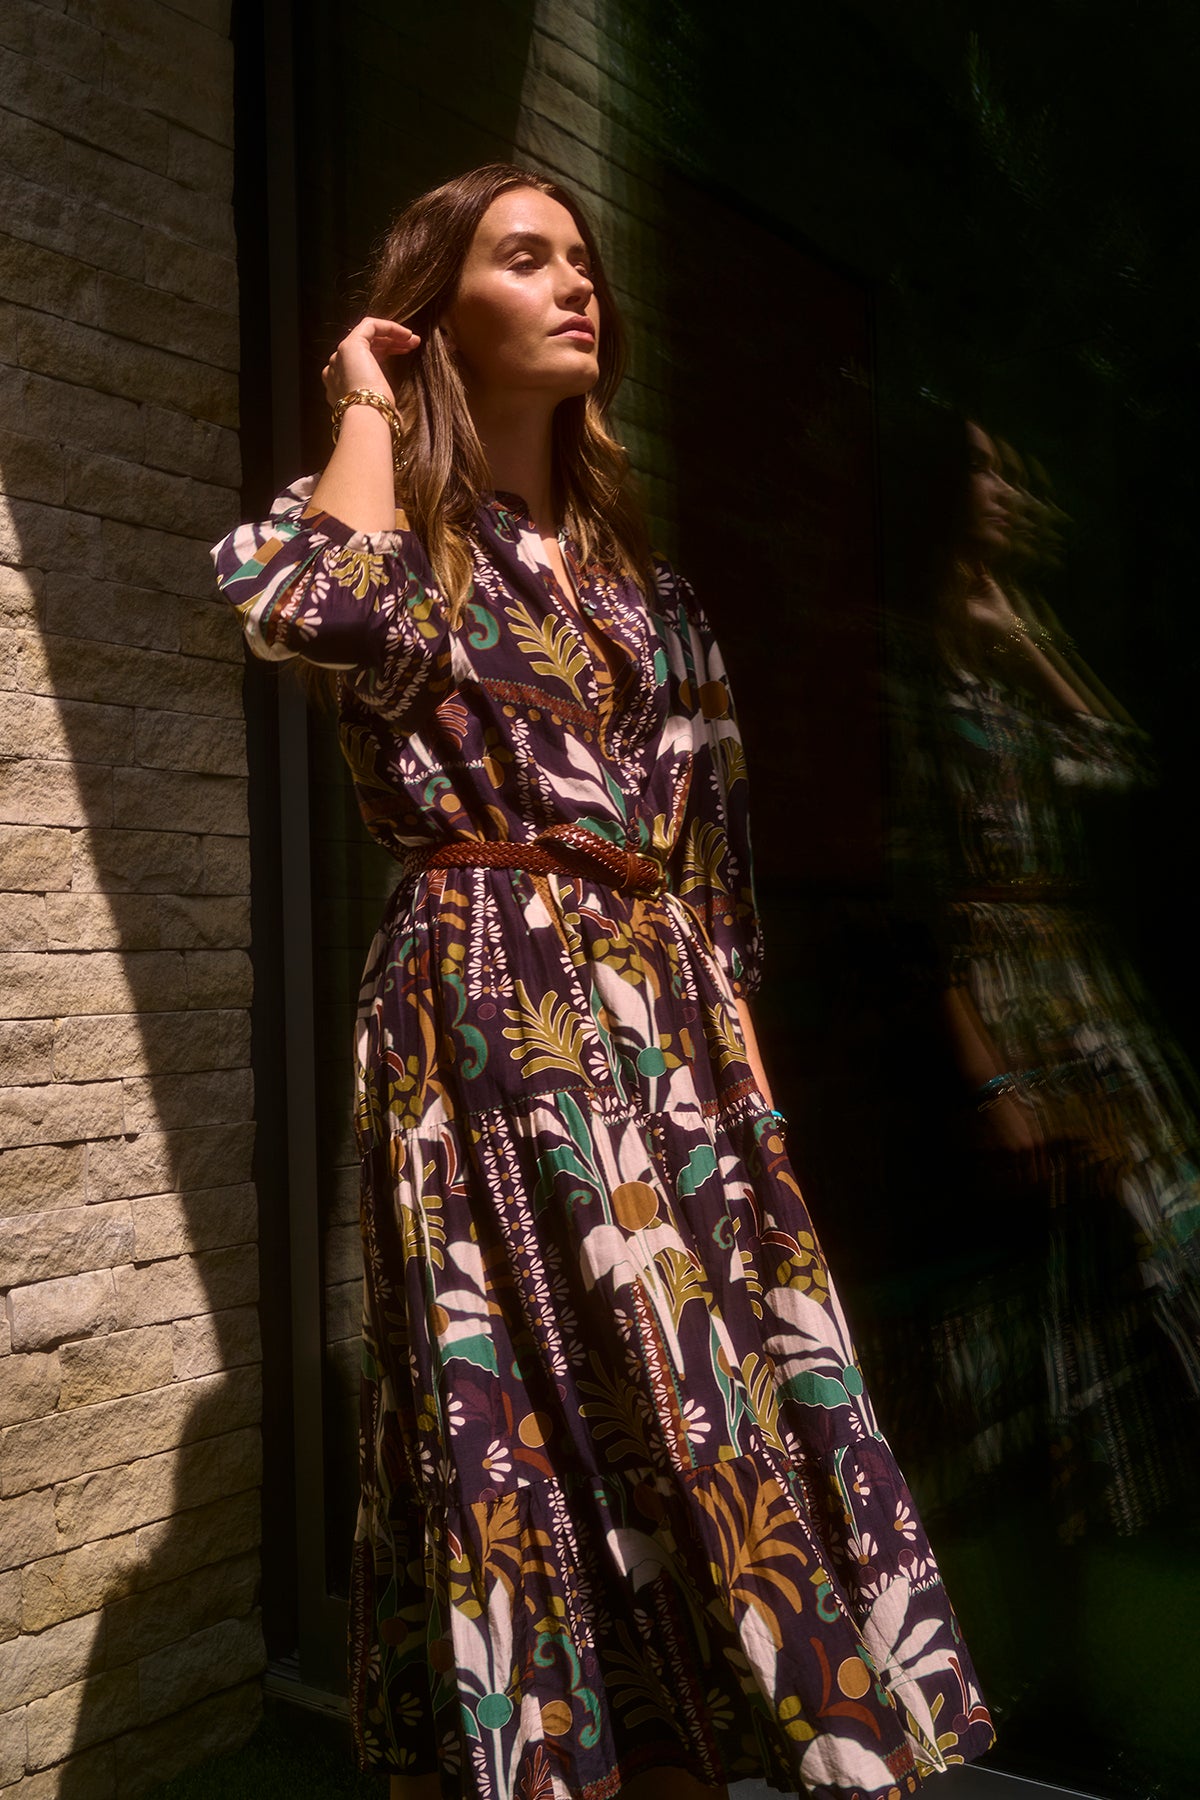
368	397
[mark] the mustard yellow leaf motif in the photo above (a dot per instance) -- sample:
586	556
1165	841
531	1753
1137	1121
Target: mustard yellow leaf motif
724	1045
553	648
756	1555
759	1377
702	853
730	756
358	570
548	1036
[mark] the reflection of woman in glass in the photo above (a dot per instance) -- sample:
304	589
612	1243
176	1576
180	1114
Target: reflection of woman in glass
1077	1348
625	1509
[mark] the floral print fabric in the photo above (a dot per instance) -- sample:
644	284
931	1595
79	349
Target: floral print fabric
624	1500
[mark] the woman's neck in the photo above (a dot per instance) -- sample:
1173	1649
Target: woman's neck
517	439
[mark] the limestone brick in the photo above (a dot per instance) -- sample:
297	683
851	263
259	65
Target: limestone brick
153	1043
221	1723
226	865
142	1622
10	1605
169	1225
52	1312
22	927
74	730
33	1666
29	1388
189	273
12	1746
214	1097
122	674
49	537
133	371
343	1310
60	1112
154	315
35	276
218	978
209	1281
32	470
209	630
157	558
46	91
51	1450
169	1162
42	1176
82	1715
231	1651
109	1501
61	411
164	740
20	589
34	986
103	922
114	611
175	799
147	862
210	1534
204	101
91	1775
122	1362
34	859
55	793
190	446
26	1045
204	922
213	1341
27	1529
342	1259
79	1581
137	495
192	159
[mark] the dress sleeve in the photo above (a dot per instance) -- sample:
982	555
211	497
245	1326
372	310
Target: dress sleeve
711	865
365	602
1091	752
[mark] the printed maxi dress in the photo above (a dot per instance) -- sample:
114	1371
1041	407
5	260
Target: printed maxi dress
624	1501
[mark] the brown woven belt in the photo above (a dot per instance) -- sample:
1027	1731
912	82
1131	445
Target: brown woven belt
559	850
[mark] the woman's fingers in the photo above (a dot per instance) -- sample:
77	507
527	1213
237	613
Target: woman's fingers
359	359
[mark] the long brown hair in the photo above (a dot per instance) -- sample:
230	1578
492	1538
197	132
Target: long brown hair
413	279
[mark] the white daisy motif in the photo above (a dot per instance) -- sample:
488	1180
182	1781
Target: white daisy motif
695	1421
497	1462
904	1522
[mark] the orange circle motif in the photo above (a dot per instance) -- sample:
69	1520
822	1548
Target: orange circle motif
854	1677
714	700
635	1203
534	1429
439	1320
556	1718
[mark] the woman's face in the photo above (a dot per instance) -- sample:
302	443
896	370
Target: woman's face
990	502
525	317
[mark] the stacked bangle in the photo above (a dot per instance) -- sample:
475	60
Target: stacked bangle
368	397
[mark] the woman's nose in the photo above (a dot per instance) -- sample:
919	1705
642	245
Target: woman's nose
578	288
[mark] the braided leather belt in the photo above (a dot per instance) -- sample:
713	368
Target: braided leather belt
559	850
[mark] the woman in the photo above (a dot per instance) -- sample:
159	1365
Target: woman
625	1509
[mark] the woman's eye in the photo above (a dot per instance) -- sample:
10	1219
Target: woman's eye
524	265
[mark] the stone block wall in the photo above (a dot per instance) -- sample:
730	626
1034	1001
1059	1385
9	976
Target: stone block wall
129	1353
